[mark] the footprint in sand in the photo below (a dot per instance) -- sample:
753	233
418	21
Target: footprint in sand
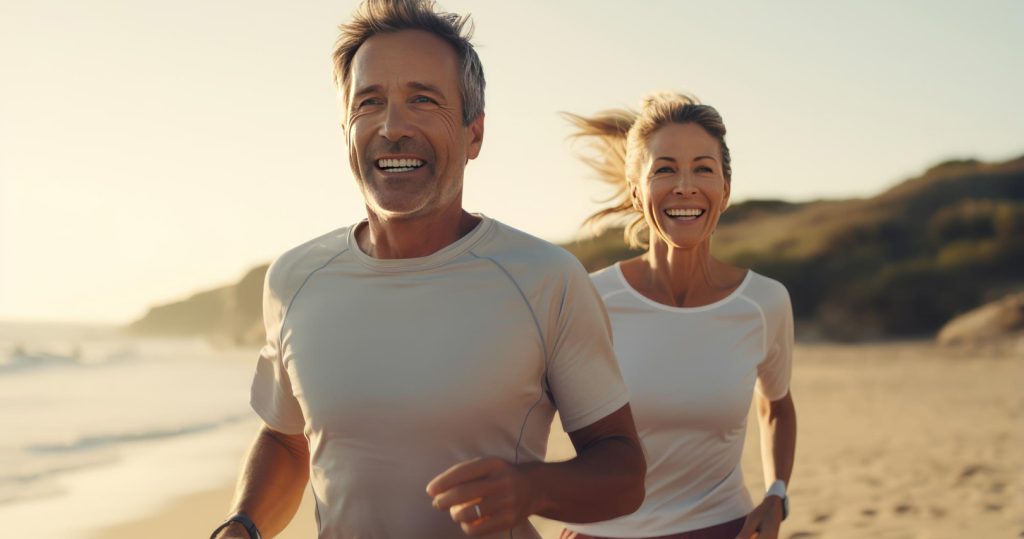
871	481
937	512
904	508
971	471
869	512
993	507
803	535
821	517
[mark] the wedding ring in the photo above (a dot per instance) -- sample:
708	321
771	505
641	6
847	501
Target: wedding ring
478	514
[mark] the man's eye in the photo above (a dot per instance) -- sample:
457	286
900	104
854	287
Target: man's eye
422	99
370	102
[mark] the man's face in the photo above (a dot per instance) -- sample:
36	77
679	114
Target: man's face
407	145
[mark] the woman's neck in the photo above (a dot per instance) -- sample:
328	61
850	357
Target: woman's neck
682	277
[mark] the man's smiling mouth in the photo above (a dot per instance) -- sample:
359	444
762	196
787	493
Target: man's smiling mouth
399	165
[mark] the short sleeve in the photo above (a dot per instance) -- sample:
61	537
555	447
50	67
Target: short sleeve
583	373
271	396
773	373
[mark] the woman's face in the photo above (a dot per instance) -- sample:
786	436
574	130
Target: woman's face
681	189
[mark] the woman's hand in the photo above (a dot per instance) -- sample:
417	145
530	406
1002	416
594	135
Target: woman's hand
764	521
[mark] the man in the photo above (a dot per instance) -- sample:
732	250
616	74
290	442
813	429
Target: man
414	361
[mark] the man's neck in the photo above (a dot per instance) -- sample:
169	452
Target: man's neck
414	238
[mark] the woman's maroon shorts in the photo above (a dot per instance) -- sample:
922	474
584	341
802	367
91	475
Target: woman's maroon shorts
725	530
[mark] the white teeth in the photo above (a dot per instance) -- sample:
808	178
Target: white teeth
684	212
395	164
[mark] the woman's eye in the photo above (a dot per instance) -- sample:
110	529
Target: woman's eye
664	170
703	169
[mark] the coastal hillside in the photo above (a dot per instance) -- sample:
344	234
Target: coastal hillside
228	314
899	264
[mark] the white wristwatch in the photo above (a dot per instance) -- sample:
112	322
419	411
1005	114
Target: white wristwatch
778	488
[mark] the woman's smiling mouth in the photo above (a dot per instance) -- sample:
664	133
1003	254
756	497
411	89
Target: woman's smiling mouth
685	214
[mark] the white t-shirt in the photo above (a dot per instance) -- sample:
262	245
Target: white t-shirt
691	373
396	370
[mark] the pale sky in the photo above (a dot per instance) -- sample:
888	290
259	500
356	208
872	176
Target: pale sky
152	149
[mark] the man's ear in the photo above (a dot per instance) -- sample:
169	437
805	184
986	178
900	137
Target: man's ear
345	124
476	137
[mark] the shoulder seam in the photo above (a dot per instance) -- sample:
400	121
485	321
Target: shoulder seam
543	344
284	317
529	307
764	325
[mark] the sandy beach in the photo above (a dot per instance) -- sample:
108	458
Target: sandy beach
900	440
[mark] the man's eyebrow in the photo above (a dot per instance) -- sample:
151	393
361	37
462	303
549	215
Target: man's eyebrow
372	89
424	87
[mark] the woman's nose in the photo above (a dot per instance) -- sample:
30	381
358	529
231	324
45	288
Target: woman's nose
685	185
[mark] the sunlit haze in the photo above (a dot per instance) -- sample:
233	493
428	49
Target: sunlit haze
152	149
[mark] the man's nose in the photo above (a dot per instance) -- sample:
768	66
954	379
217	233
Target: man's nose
396	125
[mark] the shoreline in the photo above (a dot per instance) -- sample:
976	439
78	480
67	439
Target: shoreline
197	514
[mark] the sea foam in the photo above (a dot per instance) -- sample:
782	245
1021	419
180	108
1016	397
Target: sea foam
107	427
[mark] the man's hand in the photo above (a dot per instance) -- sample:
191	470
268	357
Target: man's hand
764	521
605	480
501	491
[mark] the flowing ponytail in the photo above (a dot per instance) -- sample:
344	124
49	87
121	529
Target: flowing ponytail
606	135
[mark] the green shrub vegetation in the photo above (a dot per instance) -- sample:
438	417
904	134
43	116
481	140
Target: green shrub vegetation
895	265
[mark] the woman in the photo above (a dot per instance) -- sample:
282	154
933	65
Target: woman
696	337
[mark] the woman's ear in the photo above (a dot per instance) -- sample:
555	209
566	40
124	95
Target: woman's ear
725	197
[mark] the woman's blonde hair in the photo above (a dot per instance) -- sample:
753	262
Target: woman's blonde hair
617	139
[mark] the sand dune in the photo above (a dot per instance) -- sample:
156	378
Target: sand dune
902	440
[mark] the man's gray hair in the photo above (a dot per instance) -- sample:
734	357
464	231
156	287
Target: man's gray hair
374	17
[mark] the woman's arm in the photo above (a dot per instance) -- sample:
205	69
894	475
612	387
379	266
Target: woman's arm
777	420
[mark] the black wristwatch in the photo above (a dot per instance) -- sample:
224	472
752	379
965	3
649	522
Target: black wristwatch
242	519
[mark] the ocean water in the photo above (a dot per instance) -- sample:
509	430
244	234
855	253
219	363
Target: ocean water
97	428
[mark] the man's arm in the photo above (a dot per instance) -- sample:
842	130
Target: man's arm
272	482
605	480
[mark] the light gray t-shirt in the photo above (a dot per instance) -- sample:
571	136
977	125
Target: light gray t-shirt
692	372
396	370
